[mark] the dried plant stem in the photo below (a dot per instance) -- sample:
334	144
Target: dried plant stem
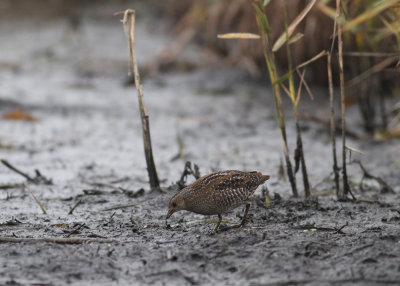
74	207
282	127
35	198
371	71
129	27
332	109
333	127
11	167
58	240
38	179
299	153
346	188
299	147
273	75
120	207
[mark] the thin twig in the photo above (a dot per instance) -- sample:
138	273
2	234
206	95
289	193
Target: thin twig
59	240
373	70
339	230
74	207
120	207
11	167
370	54
188	171
75	230
39	178
304	64
129	28
35	198
314	58
368	175
10	186
310	94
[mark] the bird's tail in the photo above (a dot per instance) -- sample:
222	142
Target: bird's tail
263	177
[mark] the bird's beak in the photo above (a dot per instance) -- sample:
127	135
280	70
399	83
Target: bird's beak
170	212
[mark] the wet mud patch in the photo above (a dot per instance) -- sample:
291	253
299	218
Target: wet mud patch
328	242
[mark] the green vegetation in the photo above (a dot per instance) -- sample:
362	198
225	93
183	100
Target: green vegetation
360	25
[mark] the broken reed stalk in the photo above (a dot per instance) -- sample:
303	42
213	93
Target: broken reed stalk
35	198
333	127
299	146
129	28
299	152
332	109
346	187
38	179
266	42
11	167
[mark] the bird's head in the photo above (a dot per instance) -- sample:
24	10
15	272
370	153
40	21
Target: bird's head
176	203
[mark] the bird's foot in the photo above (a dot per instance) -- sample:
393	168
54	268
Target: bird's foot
242	223
218	224
213	232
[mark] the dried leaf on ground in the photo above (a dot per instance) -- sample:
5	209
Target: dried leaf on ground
19	114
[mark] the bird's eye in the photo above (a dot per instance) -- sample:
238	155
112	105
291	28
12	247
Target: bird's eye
174	204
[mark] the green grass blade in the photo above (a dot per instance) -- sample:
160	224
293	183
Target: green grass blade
295	38
369	14
262	17
285	35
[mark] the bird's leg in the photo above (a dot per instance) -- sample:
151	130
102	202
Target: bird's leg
246	211
218	223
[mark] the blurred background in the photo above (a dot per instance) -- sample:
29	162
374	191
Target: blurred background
68	60
186	39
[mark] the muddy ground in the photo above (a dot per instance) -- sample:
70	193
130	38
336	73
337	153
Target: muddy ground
69	73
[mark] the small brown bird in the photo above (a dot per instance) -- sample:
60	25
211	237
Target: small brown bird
217	193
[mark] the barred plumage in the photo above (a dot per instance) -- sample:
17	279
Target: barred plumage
217	193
